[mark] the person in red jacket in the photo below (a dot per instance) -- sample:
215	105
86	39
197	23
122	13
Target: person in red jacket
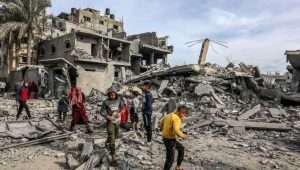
79	114
23	97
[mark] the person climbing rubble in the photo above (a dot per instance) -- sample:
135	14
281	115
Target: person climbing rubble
170	126
110	110
79	114
147	109
23	96
63	107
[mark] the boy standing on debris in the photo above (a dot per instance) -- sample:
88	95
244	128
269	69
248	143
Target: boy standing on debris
170	127
110	110
23	96
79	115
147	109
135	109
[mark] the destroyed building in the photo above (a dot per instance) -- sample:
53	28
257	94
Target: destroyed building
100	55
148	49
86	20
294	68
98	59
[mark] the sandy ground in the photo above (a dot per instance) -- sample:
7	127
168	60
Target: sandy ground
40	163
203	152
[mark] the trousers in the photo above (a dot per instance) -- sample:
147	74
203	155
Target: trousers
23	105
171	145
112	135
148	125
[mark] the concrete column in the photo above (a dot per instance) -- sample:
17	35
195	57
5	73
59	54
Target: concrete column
165	59
101	48
123	74
152	58
108	50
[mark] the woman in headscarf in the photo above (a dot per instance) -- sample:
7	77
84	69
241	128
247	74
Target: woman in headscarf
79	115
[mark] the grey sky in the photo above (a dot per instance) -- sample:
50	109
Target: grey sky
257	31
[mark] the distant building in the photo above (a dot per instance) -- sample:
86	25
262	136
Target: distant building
91	19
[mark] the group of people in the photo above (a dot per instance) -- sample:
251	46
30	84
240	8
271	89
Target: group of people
138	105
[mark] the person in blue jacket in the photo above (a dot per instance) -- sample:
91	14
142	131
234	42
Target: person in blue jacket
147	109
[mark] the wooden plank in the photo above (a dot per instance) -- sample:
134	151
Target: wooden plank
253	125
249	113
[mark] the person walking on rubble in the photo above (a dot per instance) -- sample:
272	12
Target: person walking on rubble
171	127
63	107
79	114
147	109
23	96
110	110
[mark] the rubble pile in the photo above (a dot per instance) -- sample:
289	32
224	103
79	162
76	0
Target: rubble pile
234	112
133	153
8	108
232	101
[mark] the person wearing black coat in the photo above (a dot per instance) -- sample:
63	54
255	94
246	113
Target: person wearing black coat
63	108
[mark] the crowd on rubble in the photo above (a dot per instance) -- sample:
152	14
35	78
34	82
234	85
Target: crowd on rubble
127	111
213	94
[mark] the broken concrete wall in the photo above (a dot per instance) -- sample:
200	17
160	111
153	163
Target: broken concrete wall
146	38
100	80
60	47
85	43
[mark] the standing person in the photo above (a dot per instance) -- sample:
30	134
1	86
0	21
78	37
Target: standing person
63	107
171	127
79	115
135	109
110	110
147	109
23	96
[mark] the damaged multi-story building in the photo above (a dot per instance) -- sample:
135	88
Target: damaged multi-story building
294	68
96	47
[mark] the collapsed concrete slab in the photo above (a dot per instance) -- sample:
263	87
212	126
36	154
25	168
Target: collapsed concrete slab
253	125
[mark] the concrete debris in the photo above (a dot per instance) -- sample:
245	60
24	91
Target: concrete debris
249	113
71	161
253	125
87	150
231	111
